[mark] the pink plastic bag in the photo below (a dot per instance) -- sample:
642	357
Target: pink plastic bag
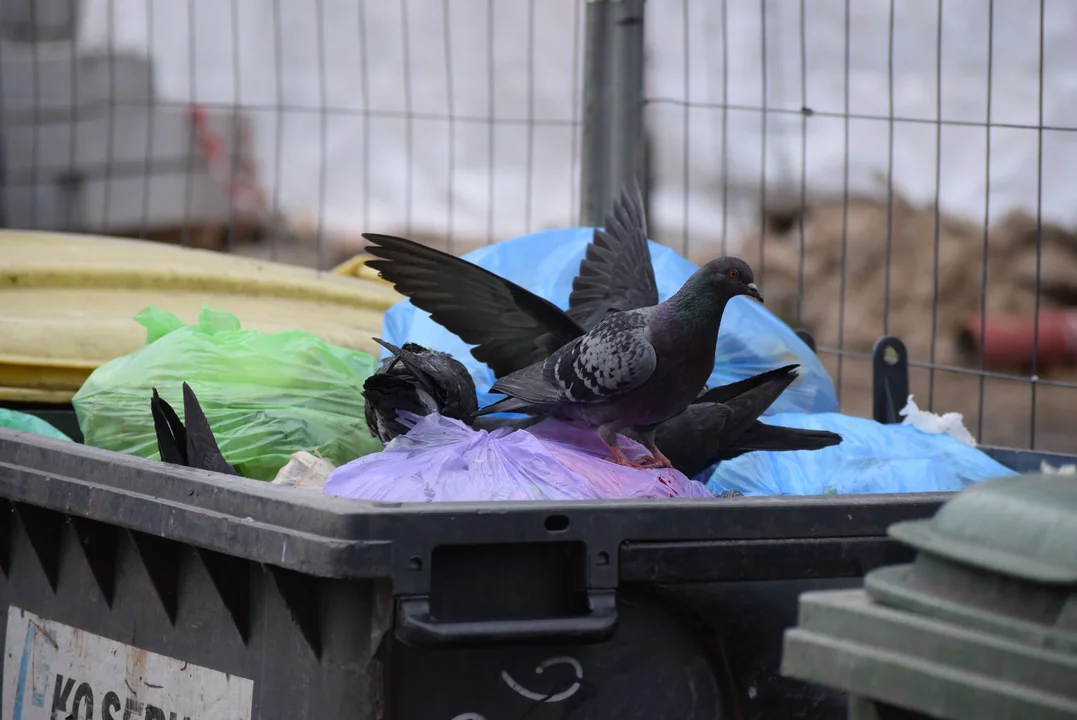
444	460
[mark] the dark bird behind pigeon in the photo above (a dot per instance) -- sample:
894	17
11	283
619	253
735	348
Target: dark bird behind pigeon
191	446
420	381
730	415
518	327
635	369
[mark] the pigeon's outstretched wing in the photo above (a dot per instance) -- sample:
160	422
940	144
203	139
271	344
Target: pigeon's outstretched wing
510	326
616	273
614	358
202	449
709	432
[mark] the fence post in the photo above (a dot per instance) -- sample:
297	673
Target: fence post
613	141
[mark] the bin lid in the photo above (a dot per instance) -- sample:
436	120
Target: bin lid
1025	529
67	303
999	557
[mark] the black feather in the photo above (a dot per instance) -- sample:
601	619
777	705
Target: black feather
171	437
191	446
203	452
420	381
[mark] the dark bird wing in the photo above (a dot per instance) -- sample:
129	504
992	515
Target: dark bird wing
709	432
510	326
616	273
171	437
202	450
614	358
725	393
775	438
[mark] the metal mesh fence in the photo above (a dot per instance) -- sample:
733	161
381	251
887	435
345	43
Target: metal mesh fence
284	128
889	168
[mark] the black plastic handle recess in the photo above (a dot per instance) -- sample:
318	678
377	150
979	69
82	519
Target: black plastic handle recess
416	627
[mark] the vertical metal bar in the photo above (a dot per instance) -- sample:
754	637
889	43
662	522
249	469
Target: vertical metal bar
987	212
686	178
1034	374
151	118
450	108
613	103
593	158
938	211
278	130
804	113
725	127
574	190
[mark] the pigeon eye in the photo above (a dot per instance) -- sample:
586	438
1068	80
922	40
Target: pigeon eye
733	273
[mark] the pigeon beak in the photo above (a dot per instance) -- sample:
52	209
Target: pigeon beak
753	292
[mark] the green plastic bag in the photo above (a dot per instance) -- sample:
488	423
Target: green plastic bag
29	423
266	395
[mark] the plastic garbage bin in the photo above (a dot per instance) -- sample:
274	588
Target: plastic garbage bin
982	625
286	604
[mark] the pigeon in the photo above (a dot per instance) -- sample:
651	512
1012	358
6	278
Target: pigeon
191	446
731	413
636	368
516	328
420	381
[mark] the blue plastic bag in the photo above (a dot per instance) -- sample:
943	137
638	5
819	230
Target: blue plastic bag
752	339
872	458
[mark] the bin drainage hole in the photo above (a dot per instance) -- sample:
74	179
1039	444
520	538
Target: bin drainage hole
557	523
415	563
603	558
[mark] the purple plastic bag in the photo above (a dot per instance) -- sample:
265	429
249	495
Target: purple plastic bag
444	460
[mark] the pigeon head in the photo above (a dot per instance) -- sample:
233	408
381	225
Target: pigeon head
731	276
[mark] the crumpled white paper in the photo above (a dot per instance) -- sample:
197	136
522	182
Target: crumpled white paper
951	423
305	471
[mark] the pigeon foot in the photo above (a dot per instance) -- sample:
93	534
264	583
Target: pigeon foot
619	458
644	463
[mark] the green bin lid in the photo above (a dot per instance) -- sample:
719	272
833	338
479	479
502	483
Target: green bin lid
1000	557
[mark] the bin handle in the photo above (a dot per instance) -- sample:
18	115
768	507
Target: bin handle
416	627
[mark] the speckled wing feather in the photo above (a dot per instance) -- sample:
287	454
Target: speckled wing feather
616	273
614	358
510	326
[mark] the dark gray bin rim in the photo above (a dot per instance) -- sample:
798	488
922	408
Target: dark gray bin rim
339	537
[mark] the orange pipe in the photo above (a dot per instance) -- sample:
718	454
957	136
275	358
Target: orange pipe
1009	339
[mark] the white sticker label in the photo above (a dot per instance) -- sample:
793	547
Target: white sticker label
54	672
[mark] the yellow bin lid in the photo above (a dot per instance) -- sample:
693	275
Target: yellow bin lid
67	303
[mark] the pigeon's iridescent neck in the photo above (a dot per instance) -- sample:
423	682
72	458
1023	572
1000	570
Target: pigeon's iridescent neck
689	322
695	305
